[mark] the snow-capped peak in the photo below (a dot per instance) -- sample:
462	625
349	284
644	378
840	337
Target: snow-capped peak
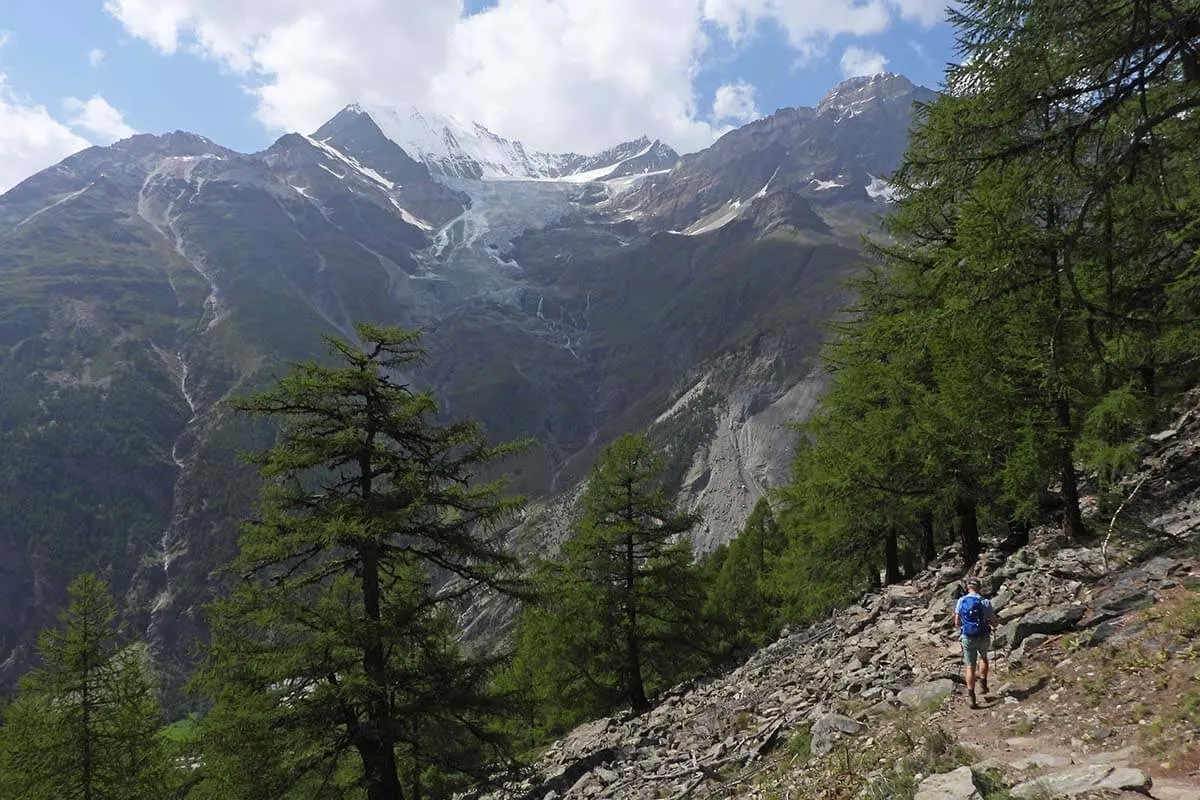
457	149
453	148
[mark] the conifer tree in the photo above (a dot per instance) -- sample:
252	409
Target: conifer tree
741	598
334	659
85	725
623	606
1035	304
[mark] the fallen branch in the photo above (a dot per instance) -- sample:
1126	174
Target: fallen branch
1112	525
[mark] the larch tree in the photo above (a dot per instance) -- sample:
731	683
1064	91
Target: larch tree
85	725
622	606
333	659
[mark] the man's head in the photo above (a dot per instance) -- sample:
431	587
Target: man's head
973	585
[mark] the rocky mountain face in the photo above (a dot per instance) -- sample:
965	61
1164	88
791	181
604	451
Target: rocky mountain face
566	298
1093	685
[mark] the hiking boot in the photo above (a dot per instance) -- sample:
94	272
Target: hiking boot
973	702
983	685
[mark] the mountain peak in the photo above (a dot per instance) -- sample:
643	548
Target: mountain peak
453	148
855	95
178	143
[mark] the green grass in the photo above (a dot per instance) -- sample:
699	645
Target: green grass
183	731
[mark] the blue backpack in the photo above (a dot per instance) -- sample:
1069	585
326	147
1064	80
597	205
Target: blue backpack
973	616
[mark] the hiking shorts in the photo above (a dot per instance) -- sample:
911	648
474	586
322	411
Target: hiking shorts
975	648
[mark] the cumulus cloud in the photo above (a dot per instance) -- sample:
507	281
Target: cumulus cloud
809	24
926	12
30	138
861	61
97	117
735	102
304	59
95	57
558	74
576	74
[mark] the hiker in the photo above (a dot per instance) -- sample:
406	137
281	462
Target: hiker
973	617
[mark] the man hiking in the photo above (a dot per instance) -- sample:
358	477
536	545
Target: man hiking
974	616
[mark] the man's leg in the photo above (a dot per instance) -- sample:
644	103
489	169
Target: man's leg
969	658
983	672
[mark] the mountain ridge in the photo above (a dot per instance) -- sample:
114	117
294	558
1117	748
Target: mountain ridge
144	284
455	149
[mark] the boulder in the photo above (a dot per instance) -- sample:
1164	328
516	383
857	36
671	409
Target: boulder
956	785
1161	566
1123	598
1083	779
1078	564
827	730
930	692
1007	613
1100	634
1051	620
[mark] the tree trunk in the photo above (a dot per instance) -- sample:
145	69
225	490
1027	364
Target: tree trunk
634	687
415	790
375	744
1072	516
968	530
1018	532
85	702
379	770
929	546
873	576
891	558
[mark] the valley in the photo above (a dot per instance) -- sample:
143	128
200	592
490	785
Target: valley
564	298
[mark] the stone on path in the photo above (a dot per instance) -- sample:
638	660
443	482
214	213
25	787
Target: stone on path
1079	780
919	695
956	785
1176	793
1039	761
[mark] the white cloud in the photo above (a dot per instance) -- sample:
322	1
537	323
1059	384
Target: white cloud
95	57
5	37
735	102
926	12
861	61
30	139
558	74
98	118
578	75
809	24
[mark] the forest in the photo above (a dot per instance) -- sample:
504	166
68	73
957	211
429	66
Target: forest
1029	313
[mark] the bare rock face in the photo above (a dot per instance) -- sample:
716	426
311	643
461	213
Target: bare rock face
749	452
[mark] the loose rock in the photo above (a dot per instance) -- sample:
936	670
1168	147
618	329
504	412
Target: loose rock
956	785
1079	780
933	691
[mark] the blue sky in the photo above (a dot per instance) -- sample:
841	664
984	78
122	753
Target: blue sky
557	74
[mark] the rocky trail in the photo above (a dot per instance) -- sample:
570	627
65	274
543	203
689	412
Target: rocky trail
1095	681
